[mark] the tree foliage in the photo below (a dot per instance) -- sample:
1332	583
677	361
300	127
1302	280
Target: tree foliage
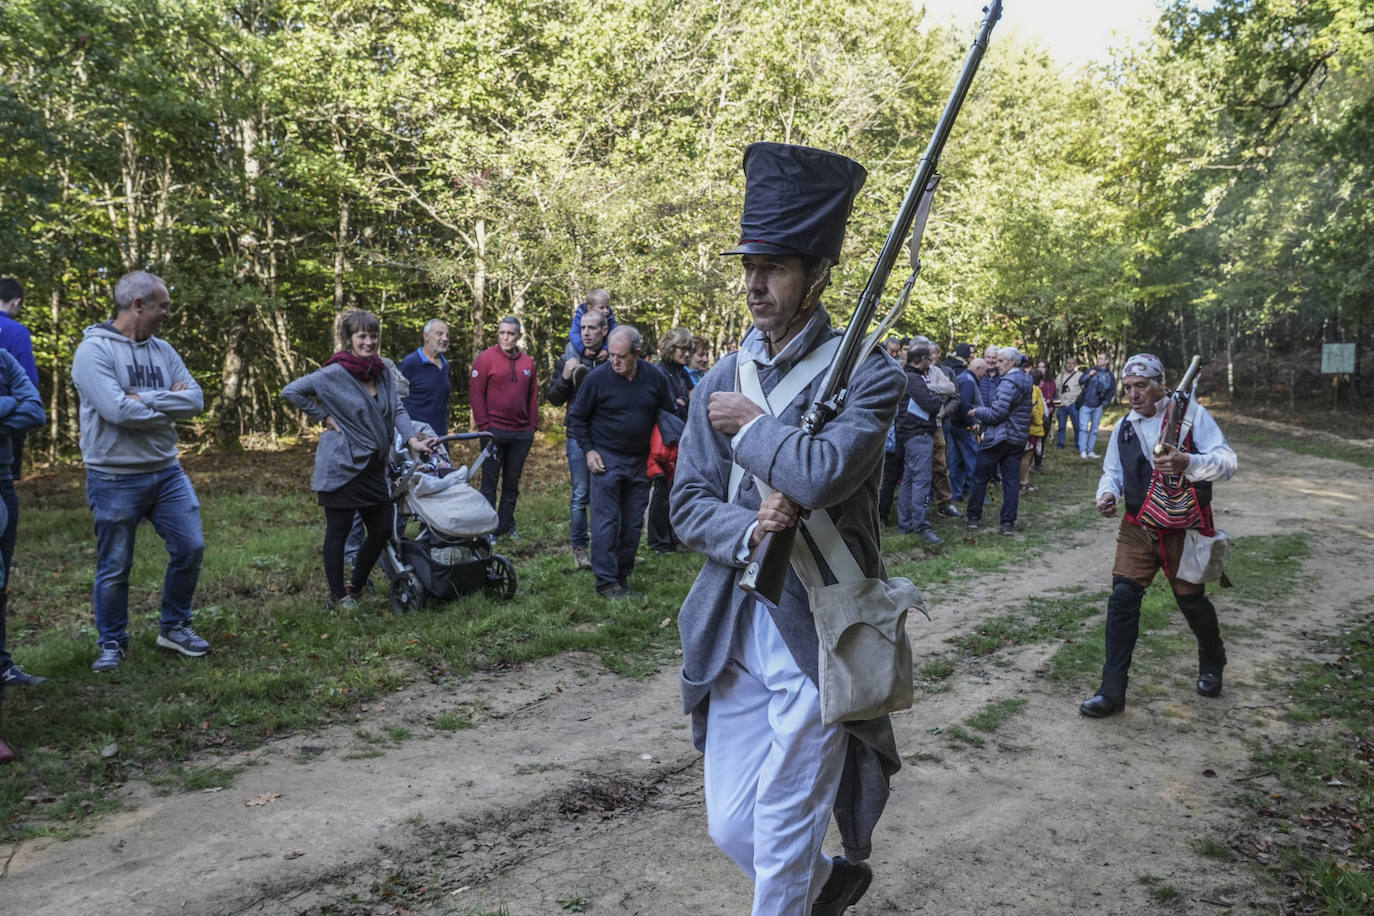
280	160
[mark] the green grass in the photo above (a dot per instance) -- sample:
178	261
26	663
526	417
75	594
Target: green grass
1315	447
280	662
1265	570
996	714
449	722
1327	775
1212	849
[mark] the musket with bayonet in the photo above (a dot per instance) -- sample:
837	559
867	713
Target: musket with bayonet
769	562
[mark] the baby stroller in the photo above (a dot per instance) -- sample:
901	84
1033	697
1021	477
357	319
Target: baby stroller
451	554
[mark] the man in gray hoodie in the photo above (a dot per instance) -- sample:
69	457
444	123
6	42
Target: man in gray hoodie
133	388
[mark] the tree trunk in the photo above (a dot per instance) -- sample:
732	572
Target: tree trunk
228	423
1230	358
479	286
54	424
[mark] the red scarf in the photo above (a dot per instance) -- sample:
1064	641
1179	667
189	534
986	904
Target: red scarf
363	369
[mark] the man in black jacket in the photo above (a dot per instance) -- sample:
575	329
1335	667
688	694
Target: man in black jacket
916	420
567	378
613	420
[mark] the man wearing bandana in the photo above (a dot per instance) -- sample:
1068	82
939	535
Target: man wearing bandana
1143	550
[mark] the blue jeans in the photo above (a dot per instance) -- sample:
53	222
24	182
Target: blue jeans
1065	414
912	517
619	498
119	502
581	487
1088	418
962	446
1006	457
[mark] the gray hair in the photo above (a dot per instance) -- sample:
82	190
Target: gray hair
1010	353
138	284
677	337
919	350
596	316
512	320
429	325
626	331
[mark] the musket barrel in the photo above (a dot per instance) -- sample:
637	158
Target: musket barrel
767	569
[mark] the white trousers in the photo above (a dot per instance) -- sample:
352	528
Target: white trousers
772	769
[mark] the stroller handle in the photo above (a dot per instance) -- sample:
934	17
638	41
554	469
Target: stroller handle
457	437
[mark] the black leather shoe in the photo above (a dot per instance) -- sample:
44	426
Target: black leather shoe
1209	683
847	883
1099	707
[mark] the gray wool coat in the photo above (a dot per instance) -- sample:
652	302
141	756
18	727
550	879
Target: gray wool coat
369	424
838	472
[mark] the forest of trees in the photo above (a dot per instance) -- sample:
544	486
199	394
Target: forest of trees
279	160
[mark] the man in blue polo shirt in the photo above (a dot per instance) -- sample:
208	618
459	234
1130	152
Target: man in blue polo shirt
427	371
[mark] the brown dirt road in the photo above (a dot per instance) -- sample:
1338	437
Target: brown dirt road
577	783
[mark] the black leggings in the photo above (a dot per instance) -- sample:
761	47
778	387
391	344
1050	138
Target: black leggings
337	522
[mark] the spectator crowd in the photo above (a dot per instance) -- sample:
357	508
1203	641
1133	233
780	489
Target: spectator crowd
970	430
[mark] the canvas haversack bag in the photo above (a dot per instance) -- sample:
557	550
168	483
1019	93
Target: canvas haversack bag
864	667
1204	557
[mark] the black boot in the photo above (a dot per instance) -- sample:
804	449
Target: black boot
1123	628
1211	652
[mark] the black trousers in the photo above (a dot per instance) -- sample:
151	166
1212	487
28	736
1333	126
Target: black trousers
618	499
337	523
511	449
1123	629
893	463
660	533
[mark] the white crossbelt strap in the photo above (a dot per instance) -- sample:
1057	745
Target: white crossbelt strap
791	385
820	525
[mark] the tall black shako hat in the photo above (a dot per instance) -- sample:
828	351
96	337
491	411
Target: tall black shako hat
796	200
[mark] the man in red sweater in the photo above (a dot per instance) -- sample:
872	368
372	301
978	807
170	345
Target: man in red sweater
504	393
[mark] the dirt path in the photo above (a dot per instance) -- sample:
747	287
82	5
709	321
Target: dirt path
577	783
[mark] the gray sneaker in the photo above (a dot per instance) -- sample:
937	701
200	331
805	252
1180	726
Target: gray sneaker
111	654
183	639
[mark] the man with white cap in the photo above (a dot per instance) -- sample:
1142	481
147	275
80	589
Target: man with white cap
774	771
1143	548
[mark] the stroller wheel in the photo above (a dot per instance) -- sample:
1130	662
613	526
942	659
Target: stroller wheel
500	577
407	595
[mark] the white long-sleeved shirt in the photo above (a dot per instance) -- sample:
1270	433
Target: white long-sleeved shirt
1214	459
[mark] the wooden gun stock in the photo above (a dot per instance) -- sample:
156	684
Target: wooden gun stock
764	578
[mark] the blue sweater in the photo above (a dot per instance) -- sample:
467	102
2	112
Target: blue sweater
575	335
430	386
614	414
20	408
14	337
970	396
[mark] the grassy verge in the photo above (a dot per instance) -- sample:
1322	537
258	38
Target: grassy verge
280	661
1318	448
1312	835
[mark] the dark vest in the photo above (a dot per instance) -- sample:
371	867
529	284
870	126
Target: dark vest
1137	470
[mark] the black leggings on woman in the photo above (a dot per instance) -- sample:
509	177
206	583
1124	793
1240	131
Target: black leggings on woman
337	522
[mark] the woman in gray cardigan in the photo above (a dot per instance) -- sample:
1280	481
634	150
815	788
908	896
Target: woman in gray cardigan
354	396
